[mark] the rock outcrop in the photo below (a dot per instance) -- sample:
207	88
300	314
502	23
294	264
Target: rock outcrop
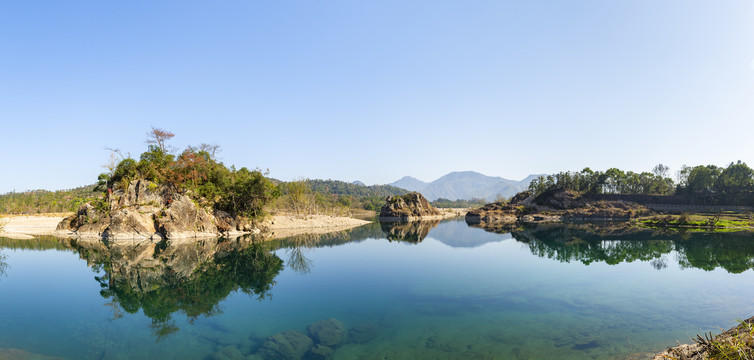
554	206
410	207
145	210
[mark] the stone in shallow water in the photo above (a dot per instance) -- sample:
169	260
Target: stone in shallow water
229	352
330	332
320	352
363	333
289	344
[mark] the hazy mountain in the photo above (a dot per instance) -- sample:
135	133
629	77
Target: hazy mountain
410	184
465	185
358	182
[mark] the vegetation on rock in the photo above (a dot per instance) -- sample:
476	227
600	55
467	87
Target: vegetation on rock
407	207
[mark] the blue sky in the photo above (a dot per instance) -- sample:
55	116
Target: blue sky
373	91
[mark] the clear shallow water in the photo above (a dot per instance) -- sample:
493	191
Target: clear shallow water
434	291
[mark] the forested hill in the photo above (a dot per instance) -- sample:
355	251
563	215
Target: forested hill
343	188
43	201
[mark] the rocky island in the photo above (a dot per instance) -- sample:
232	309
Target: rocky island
410	207
555	206
145	210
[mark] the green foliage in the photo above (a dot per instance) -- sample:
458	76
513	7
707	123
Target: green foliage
42	201
738	346
612	181
247	193
332	196
196	173
711	184
446	203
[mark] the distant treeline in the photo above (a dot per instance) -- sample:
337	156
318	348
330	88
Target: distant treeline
447	203
43	201
331	196
703	184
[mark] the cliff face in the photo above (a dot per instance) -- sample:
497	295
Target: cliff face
147	211
412	206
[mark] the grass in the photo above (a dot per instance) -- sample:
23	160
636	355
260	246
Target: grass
737	345
701	221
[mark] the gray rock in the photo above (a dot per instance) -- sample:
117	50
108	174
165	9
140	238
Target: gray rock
289	344
330	332
229	352
320	352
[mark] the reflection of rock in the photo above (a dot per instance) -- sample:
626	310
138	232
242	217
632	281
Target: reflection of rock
362	333
289	344
409	207
330	332
413	232
147	211
163	278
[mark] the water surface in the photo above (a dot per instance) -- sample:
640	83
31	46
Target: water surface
406	291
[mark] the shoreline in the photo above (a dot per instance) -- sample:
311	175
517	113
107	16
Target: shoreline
27	227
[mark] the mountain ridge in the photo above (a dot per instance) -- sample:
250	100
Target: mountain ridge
465	185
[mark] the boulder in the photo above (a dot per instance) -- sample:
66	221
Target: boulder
330	332
320	352
289	345
412	206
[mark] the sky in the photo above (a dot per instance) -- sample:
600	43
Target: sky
376	90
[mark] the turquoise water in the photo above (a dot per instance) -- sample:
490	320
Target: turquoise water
432	291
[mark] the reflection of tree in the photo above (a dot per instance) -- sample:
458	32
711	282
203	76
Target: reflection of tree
614	244
3	264
412	232
191	277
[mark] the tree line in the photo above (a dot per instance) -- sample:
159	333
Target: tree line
708	184
43	201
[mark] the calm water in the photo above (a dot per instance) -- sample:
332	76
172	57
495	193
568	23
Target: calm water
430	291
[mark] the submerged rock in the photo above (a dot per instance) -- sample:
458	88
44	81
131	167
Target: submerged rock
289	344
320	352
363	333
330	332
229	352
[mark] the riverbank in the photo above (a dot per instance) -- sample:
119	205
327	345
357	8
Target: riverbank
735	343
278	226
28	226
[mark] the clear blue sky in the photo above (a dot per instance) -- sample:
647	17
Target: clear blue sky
375	90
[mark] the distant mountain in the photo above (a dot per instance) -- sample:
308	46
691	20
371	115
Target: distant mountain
357	182
465	185
410	184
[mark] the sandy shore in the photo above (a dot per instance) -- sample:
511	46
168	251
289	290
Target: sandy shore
281	226
26	227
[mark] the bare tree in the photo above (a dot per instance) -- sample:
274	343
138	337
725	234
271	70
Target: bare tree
211	149
159	137
661	170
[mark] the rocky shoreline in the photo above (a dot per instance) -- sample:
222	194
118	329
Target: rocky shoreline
735	343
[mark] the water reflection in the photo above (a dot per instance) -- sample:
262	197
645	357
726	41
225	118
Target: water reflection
191	277
412	232
617	243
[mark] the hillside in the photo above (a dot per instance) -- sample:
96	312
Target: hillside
465	185
43	201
